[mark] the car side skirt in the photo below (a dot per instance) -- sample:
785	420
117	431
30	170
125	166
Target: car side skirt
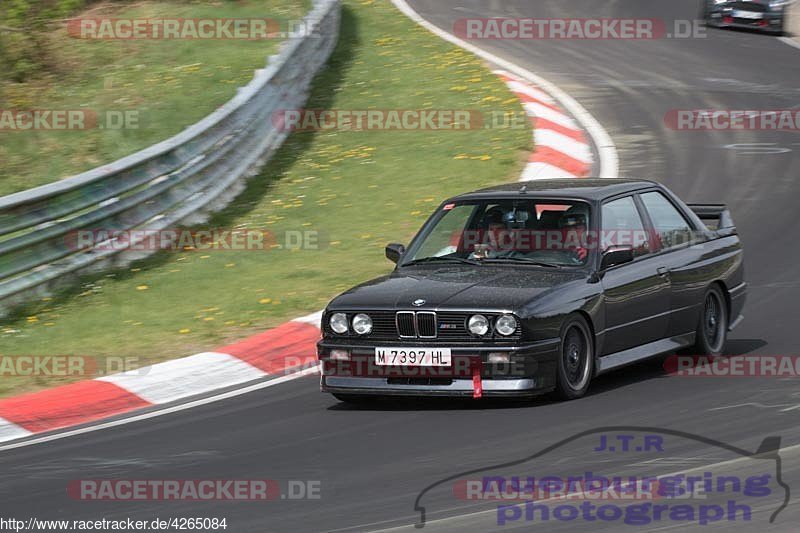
645	351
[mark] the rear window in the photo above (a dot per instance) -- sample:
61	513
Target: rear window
671	227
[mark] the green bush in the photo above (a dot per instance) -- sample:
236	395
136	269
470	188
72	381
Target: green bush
23	34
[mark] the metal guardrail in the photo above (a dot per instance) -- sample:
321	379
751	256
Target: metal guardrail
178	181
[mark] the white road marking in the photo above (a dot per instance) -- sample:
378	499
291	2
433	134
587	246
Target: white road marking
315	319
791	42
188	376
11	431
527	90
161	412
750	404
561	143
539	171
532	109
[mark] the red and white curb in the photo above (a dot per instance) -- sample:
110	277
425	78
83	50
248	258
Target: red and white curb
288	348
561	149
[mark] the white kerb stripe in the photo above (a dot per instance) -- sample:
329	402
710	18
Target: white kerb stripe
10	431
541	171
562	143
529	90
501	72
181	378
538	110
315	319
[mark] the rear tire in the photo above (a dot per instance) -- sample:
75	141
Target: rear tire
575	360
712	327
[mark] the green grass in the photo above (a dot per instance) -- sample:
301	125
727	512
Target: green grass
360	190
170	84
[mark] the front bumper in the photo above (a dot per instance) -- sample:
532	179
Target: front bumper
530	371
771	21
457	388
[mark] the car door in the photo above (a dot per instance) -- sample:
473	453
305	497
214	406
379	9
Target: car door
635	294
684	259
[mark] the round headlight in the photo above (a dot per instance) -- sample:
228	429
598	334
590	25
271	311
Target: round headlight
338	323
478	325
362	324
506	325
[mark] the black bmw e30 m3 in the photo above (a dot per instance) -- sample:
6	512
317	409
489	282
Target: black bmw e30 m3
522	289
762	15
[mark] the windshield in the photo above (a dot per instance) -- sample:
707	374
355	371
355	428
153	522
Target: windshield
546	232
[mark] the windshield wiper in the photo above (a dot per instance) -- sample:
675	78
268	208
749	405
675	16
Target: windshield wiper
518	259
433	259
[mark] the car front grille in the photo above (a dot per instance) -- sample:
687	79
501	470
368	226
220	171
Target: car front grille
427	326
406	327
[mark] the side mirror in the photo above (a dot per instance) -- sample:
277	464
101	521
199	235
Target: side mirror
616	255
394	252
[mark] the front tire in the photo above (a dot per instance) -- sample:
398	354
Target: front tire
576	359
712	328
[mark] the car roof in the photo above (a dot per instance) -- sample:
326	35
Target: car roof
590	189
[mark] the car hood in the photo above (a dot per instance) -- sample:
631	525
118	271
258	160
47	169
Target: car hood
455	287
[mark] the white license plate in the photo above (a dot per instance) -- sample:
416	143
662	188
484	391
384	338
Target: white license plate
739	14
412	356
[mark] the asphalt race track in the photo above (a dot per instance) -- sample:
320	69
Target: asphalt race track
372	463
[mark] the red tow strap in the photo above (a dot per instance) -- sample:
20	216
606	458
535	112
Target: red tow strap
477	385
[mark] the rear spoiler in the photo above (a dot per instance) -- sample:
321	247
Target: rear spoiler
716	217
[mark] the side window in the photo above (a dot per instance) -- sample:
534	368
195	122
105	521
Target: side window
670	226
622	226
